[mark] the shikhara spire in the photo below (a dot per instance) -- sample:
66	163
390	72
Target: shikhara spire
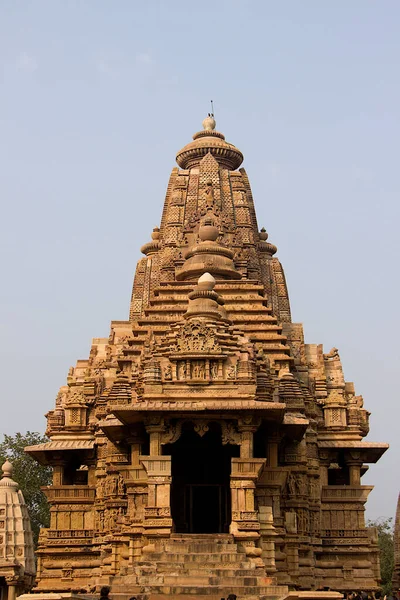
210	193
208	397
17	559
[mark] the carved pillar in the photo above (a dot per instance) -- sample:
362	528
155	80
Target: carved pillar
272	450
354	472
155	428
268	534
135	453
58	474
157	513
135	550
12	590
354	462
292	543
324	462
247	426
244	475
246	447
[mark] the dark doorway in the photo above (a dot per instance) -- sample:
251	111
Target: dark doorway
200	490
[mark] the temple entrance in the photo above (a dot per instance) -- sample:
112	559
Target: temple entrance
200	490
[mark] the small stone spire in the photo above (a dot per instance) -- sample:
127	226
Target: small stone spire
6	478
208	255
204	301
16	544
7	469
264	245
154	245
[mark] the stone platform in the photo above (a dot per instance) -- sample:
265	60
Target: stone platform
196	565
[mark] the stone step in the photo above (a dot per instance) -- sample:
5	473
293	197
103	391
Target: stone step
216	570
215	537
211	595
124	592
275	595
194	580
198	547
204	557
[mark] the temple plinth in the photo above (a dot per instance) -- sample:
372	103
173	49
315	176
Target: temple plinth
203	446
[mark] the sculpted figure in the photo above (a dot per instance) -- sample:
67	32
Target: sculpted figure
182	370
168	373
121	485
214	370
201	371
231	374
292	485
306	522
359	401
135	369
332	354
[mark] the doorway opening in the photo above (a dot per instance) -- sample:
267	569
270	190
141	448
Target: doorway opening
200	489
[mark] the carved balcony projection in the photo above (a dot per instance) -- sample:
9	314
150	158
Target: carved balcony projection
273	477
68	537
247	468
69	533
340	493
70	494
345	533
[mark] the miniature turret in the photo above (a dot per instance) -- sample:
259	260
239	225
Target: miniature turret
17	561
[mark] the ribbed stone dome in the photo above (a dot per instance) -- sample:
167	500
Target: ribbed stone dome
209	141
16	544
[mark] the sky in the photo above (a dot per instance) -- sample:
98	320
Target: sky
96	98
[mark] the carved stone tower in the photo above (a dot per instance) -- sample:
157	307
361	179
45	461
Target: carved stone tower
17	560
203	446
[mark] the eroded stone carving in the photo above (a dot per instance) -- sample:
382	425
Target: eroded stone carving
209	374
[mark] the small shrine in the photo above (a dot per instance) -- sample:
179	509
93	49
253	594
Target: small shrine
17	560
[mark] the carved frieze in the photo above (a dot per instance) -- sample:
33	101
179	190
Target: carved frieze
196	337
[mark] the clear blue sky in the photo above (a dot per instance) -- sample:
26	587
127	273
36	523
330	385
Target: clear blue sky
96	97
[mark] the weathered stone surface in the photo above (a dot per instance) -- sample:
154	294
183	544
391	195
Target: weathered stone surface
17	560
203	448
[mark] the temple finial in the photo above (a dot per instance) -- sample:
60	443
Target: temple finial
209	122
206	281
7	469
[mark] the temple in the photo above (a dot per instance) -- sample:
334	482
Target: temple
203	447
17	559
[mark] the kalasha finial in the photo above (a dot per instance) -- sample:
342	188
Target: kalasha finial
209	122
206	282
7	469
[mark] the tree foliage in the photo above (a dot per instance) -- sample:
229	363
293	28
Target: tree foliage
384	527
30	476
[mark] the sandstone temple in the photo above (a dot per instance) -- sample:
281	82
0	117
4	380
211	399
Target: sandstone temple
204	447
17	559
